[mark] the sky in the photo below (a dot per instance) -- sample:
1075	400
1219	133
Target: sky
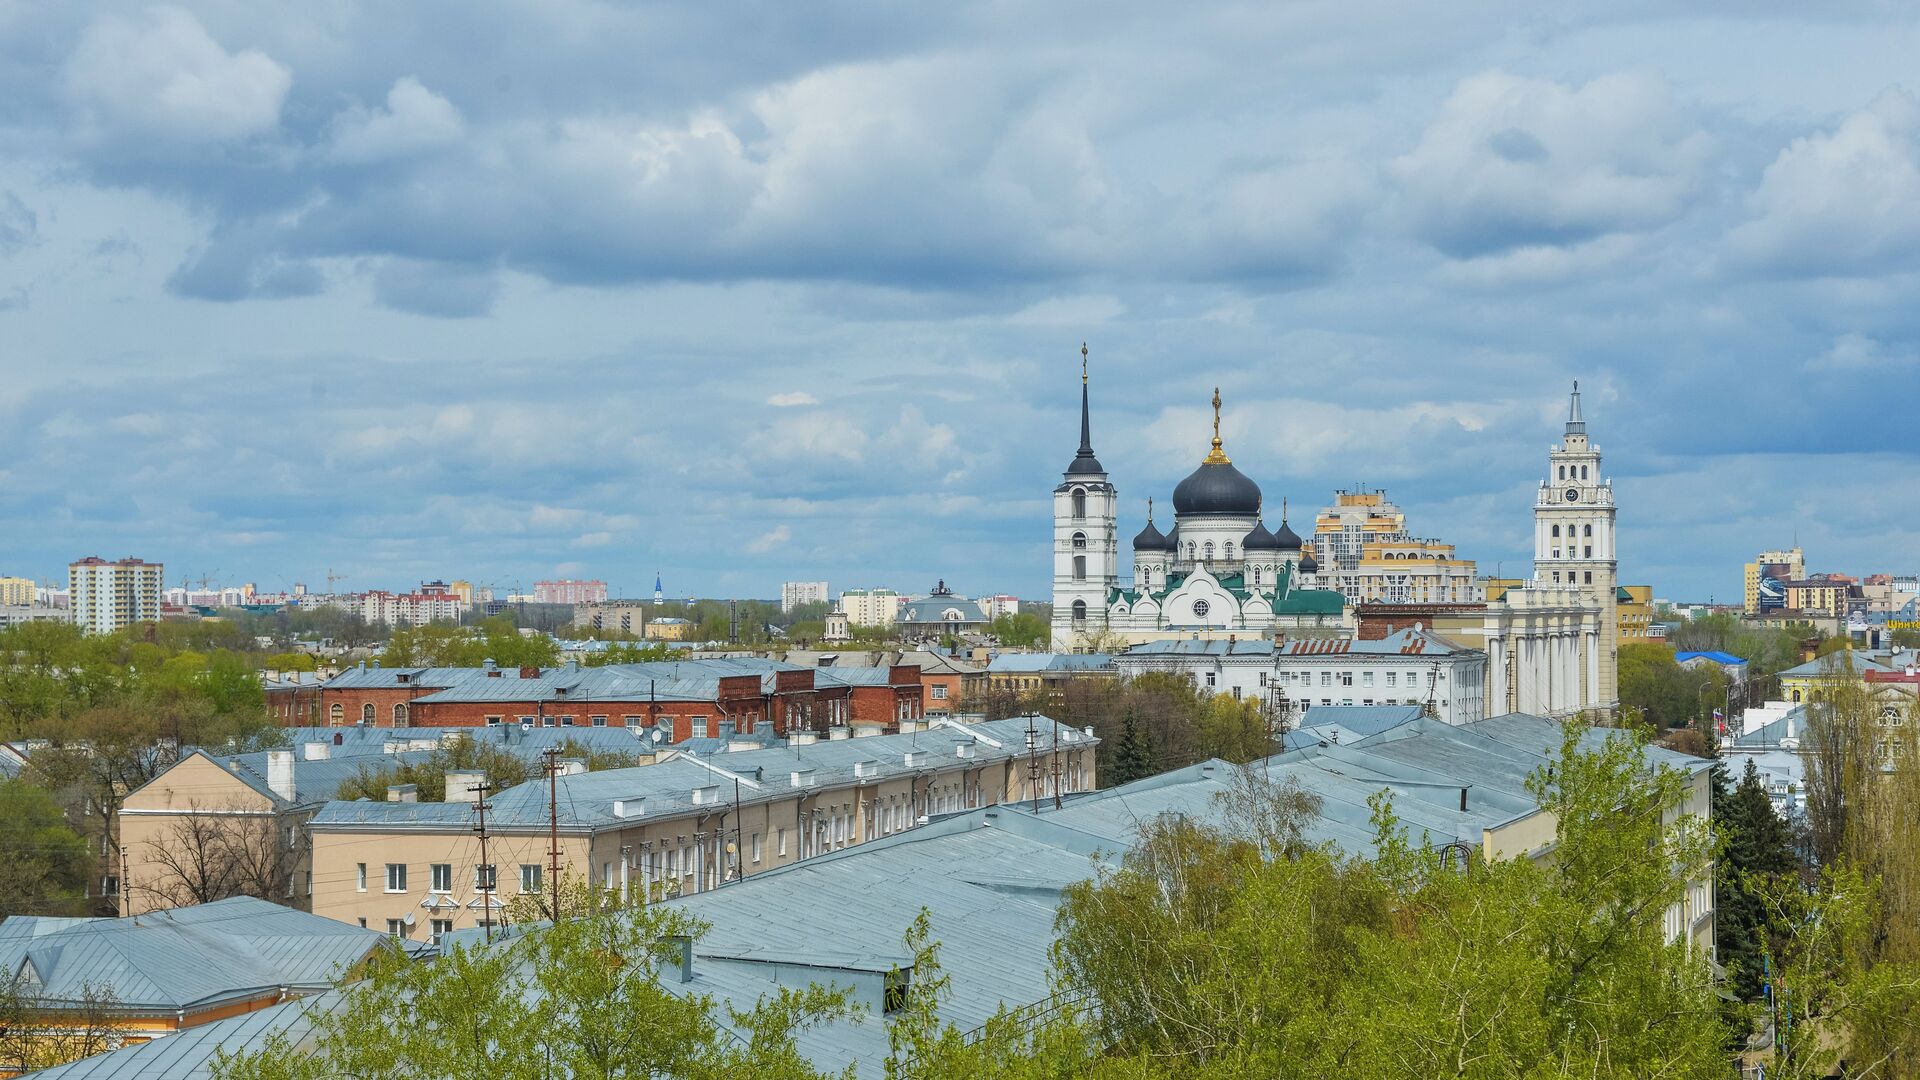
753	292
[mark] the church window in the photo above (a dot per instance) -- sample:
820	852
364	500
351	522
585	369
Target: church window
1209	550
1563	472
1079	502
1229	549
1583	472
1200	609
1588	531
1079	611
1556	530
1079	568
1189	549
1256	575
1079	540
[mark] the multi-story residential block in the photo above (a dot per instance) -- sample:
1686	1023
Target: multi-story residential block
683	825
16	592
1407	667
629	616
432	602
11	615
871	607
998	606
1365	551
109	595
1634	614
1766	576
569	591
795	593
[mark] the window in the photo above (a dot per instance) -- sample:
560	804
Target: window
396	877
1587	531
1556	532
1589	577
1200	609
1326	678
1079	611
599	721
366	713
1263	678
360	877
631	721
1229	551
1391	676
1208	548
529	877
1079	568
492	720
1211	678
1256	575
1589	552
548	721
939	693
1346	678
780	843
337	713
442	877
755	844
309	884
1563	472
1583	472
399	714
1079	502
484	878
363	922
566	721
397	928
1079	541
441	928
1366	678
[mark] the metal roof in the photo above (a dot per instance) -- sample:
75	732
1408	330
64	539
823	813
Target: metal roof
1042	663
185	958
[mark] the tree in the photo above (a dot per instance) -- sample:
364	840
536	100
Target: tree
37	1033
1667	694
583	998
1021	630
43	863
212	853
632	653
1837	749
1132	756
1756	858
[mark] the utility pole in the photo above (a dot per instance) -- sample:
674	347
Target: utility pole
125	904
486	872
552	754
1055	757
1033	763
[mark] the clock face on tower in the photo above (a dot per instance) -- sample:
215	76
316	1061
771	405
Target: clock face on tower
1573	494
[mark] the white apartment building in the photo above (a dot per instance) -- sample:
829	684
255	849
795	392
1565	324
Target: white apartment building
871	607
109	595
1407	667
795	593
1366	552
1000	605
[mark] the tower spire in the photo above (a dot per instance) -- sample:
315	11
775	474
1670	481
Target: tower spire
1217	456
1576	424
1084	462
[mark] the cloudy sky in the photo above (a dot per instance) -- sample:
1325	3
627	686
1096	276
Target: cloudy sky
753	292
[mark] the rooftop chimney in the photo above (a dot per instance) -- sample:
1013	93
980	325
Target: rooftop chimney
403	793
629	808
280	773
316	751
459	781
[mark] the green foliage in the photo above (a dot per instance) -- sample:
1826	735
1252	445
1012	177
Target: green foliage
43	862
443	645
1766	650
503	768
1756	859
1021	630
1666	694
587	998
632	653
292	661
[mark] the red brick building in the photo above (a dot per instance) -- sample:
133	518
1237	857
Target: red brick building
683	699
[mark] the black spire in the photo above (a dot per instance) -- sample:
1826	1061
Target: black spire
1084	461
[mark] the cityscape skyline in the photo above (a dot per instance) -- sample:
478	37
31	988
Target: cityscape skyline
684	334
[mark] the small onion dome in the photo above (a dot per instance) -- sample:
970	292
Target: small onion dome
1150	539
1260	539
1173	540
1307	565
1289	540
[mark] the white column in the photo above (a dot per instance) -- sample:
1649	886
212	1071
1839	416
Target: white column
1593	669
1496	676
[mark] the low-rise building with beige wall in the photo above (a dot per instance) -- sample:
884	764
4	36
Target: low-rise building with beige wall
685	824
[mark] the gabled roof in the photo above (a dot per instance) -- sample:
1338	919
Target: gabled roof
186	958
1716	657
1843	662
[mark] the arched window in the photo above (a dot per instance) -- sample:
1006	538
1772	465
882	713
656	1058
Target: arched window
337	714
1563	472
1079	568
1079	502
1229	549
1208	549
1189	549
1256	575
1079	611
1796	696
1589	530
1556	532
399	714
366	713
1079	541
1583	472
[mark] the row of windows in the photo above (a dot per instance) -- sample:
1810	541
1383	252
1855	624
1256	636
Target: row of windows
440	877
1556	531
1567	472
1346	678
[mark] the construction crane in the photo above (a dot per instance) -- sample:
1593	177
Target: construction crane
333	577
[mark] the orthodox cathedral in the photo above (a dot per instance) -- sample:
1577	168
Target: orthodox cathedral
1218	571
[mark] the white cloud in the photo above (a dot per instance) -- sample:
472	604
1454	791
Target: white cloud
1857	352
791	399
415	119
1512	162
1845	201
160	75
767	541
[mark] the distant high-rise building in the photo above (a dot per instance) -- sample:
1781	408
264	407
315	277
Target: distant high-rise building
1365	551
569	591
109	595
795	593
870	607
16	592
1767	576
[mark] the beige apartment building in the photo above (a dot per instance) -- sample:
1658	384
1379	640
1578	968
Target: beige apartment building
110	595
1366	552
16	592
681	825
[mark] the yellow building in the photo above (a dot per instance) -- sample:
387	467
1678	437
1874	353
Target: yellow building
669	629
1817	597
1633	613
16	592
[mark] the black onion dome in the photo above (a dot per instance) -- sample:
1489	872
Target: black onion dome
1173	539
1260	539
1217	489
1287	538
1150	539
1307	565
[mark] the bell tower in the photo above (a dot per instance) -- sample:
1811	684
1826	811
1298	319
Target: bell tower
1086	553
1573	542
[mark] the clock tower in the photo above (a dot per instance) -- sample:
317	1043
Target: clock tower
1573	542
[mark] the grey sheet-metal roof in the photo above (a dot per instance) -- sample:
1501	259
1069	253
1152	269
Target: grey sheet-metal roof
1791	724
184	958
1843	662
1361	720
1044	663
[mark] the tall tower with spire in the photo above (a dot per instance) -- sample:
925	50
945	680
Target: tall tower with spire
659	594
1573	541
1086	553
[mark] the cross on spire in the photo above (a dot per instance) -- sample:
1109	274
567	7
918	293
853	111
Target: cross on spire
1217	456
